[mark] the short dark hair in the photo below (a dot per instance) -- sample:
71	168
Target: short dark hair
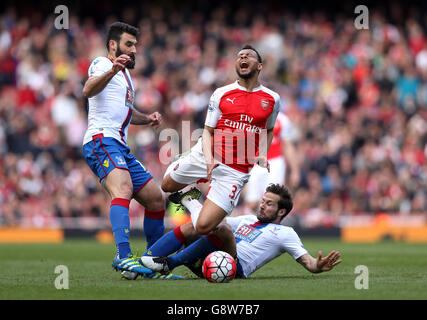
285	201
117	29
248	46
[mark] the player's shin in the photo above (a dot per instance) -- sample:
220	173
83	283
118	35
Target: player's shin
167	244
119	218
153	226
199	248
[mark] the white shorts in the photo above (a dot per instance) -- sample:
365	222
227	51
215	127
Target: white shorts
260	179
226	185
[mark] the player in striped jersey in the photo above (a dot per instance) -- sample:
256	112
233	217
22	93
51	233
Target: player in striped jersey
111	93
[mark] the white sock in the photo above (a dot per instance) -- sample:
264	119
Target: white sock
194	206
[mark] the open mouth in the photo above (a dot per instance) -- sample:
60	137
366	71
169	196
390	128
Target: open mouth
244	66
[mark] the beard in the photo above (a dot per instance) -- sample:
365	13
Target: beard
265	219
131	64
247	75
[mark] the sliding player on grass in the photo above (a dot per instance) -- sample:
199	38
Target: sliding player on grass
252	240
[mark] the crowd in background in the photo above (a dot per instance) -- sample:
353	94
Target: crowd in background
357	100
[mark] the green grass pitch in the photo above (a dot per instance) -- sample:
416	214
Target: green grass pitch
396	271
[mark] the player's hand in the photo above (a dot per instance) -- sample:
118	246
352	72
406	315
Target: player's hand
210	167
155	119
120	62
263	162
329	262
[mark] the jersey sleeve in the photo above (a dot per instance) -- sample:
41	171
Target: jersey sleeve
273	116
99	66
214	112
292	244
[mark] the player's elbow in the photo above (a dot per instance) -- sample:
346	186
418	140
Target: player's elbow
86	93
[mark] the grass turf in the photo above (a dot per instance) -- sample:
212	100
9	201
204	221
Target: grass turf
396	271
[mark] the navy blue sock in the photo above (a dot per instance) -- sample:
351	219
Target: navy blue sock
120	223
197	249
154	227
167	244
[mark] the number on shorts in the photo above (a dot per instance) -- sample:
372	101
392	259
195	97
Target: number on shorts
233	192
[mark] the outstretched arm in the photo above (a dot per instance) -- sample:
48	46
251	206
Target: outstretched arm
96	84
289	151
320	264
154	119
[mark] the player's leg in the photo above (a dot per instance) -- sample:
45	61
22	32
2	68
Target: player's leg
220	239
170	185
210	217
105	156
223	196
119	185
172	241
186	170
149	195
151	198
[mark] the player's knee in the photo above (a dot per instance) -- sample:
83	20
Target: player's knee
224	231
122	190
203	228
166	185
158	201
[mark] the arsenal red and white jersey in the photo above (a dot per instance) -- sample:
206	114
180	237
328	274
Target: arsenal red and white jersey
241	118
282	130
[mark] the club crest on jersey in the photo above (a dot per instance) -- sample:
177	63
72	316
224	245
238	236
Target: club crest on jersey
120	161
130	98
264	104
106	163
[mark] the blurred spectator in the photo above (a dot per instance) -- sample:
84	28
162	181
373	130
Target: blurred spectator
357	98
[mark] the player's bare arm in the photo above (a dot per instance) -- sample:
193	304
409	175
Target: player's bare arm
138	118
289	150
96	84
320	264
207	142
261	160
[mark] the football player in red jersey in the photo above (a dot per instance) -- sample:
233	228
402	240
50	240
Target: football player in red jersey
238	132
245	111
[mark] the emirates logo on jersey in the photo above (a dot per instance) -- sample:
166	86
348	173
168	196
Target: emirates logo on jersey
264	104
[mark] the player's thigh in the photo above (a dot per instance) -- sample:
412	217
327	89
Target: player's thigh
118	183
150	196
105	157
225	233
170	185
185	171
210	217
226	186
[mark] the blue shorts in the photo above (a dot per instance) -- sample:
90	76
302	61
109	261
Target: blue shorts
104	154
